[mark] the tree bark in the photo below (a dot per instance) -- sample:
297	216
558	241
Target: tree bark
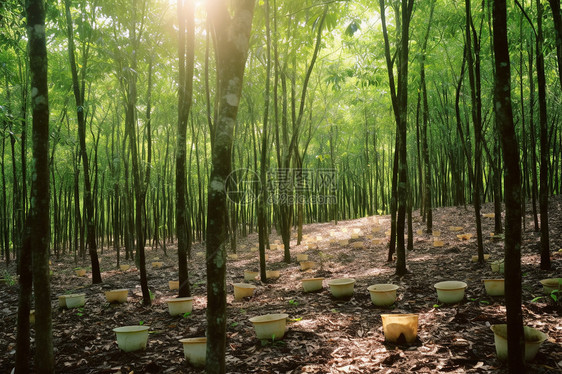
40	220
79	98
512	180
186	18
545	149
400	107
230	28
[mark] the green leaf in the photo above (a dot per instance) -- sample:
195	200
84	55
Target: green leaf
536	299
484	302
436	305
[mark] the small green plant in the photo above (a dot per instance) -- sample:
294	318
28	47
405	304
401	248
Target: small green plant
186	315
234	324
436	305
141	322
10	281
293	302
152	296
553	295
484	302
295	319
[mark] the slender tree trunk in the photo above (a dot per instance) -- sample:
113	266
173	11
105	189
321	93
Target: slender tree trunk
557	18
400	106
504	114
545	149
88	200
262	199
186	38
473	62
428	212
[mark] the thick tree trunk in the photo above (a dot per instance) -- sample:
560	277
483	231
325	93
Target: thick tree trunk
504	114
40	220
226	25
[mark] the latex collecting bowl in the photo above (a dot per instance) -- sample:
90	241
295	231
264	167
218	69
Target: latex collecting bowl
80	272
180	305
174	285
533	340
450	292
383	294
551	284
272	274
475	258
305	265
494	287
400	328
250	275
270	326
342	287
157	264
72	300
132	338
124	267
312	284
117	296
195	351
302	257
242	290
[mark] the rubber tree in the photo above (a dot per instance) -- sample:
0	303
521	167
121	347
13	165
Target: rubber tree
230	24
186	51
512	183
79	88
399	95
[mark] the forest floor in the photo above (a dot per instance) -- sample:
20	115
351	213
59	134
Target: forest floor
324	335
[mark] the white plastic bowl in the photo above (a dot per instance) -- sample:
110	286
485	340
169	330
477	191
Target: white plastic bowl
312	284
242	290
450	292
342	287
195	351
180	305
117	296
533	340
270	326
383	294
132	338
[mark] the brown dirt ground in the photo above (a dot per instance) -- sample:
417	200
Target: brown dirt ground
324	335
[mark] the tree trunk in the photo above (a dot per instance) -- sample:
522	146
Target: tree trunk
557	18
186	20
400	108
227	24
504	114
40	220
545	149
79	98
